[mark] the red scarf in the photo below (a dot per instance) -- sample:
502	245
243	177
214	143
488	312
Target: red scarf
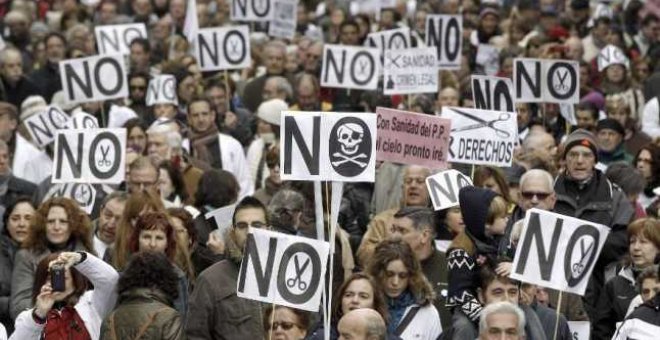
65	324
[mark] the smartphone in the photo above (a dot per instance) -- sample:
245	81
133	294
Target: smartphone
57	279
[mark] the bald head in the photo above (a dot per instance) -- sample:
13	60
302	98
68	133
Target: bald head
362	324
540	141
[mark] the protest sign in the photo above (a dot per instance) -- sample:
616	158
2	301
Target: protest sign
445	33
488	57
119	115
83	193
89	156
580	330
82	120
283	23
443	188
611	55
492	93
394	39
410	71
481	137
251	10
223	48
328	146
222	217
162	90
557	251
94	78
412	138
43	125
283	269
551	81
350	67
116	39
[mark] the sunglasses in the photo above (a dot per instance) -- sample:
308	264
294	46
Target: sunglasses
245	225
528	195
285	325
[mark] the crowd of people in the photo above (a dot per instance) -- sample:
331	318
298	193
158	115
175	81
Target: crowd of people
142	261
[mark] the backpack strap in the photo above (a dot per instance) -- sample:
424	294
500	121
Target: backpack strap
406	320
111	326
152	317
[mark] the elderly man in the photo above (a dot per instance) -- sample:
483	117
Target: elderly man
307	94
362	324
274	59
502	320
610	134
215	311
218	150
277	87
15	85
105	227
415	194
584	192
416	226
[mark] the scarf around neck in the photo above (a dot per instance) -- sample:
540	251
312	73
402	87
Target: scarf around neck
397	308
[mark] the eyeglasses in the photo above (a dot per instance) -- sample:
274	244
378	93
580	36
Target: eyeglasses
245	225
528	195
285	325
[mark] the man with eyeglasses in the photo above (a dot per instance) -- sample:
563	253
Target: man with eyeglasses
142	175
105	227
215	311
414	194
584	192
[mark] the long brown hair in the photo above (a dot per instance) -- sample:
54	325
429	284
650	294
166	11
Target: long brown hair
41	275
379	304
79	225
153	221
392	250
137	203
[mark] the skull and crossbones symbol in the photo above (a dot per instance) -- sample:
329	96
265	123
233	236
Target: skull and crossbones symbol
349	136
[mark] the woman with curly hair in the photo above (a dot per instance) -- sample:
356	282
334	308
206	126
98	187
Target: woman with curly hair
58	225
147	289
408	293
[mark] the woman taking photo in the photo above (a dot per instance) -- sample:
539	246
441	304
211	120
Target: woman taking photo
407	292
17	218
70	310
58	225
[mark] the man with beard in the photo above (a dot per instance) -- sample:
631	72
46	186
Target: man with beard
307	94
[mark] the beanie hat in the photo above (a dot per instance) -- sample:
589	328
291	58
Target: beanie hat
31	106
488	10
475	203
581	137
611	124
270	111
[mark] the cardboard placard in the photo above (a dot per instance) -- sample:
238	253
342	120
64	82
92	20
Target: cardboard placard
580	330
43	126
82	120
411	71
116	39
445	33
481	137
550	81
283	269
412	138
492	93
611	55
557	251
95	78
443	188
222	217
394	39
350	67
488	56
83	193
330	146
251	10
162	90
285	19
89	156
223	48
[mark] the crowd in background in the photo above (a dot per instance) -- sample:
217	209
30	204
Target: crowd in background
145	263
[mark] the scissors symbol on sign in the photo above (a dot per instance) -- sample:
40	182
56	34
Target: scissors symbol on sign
579	267
104	154
504	116
302	285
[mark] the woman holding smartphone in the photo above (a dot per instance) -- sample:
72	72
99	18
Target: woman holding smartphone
64	307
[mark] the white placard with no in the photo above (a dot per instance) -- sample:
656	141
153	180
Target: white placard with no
89	156
445	33
116	39
350	67
162	90
444	186
283	23
557	251
611	55
550	81
283	269
43	125
83	193
251	10
492	93
94	78
223	48
411	71
580	330
481	137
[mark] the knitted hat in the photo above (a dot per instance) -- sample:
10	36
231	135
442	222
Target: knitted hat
488	10
270	111
611	124
581	137
31	106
